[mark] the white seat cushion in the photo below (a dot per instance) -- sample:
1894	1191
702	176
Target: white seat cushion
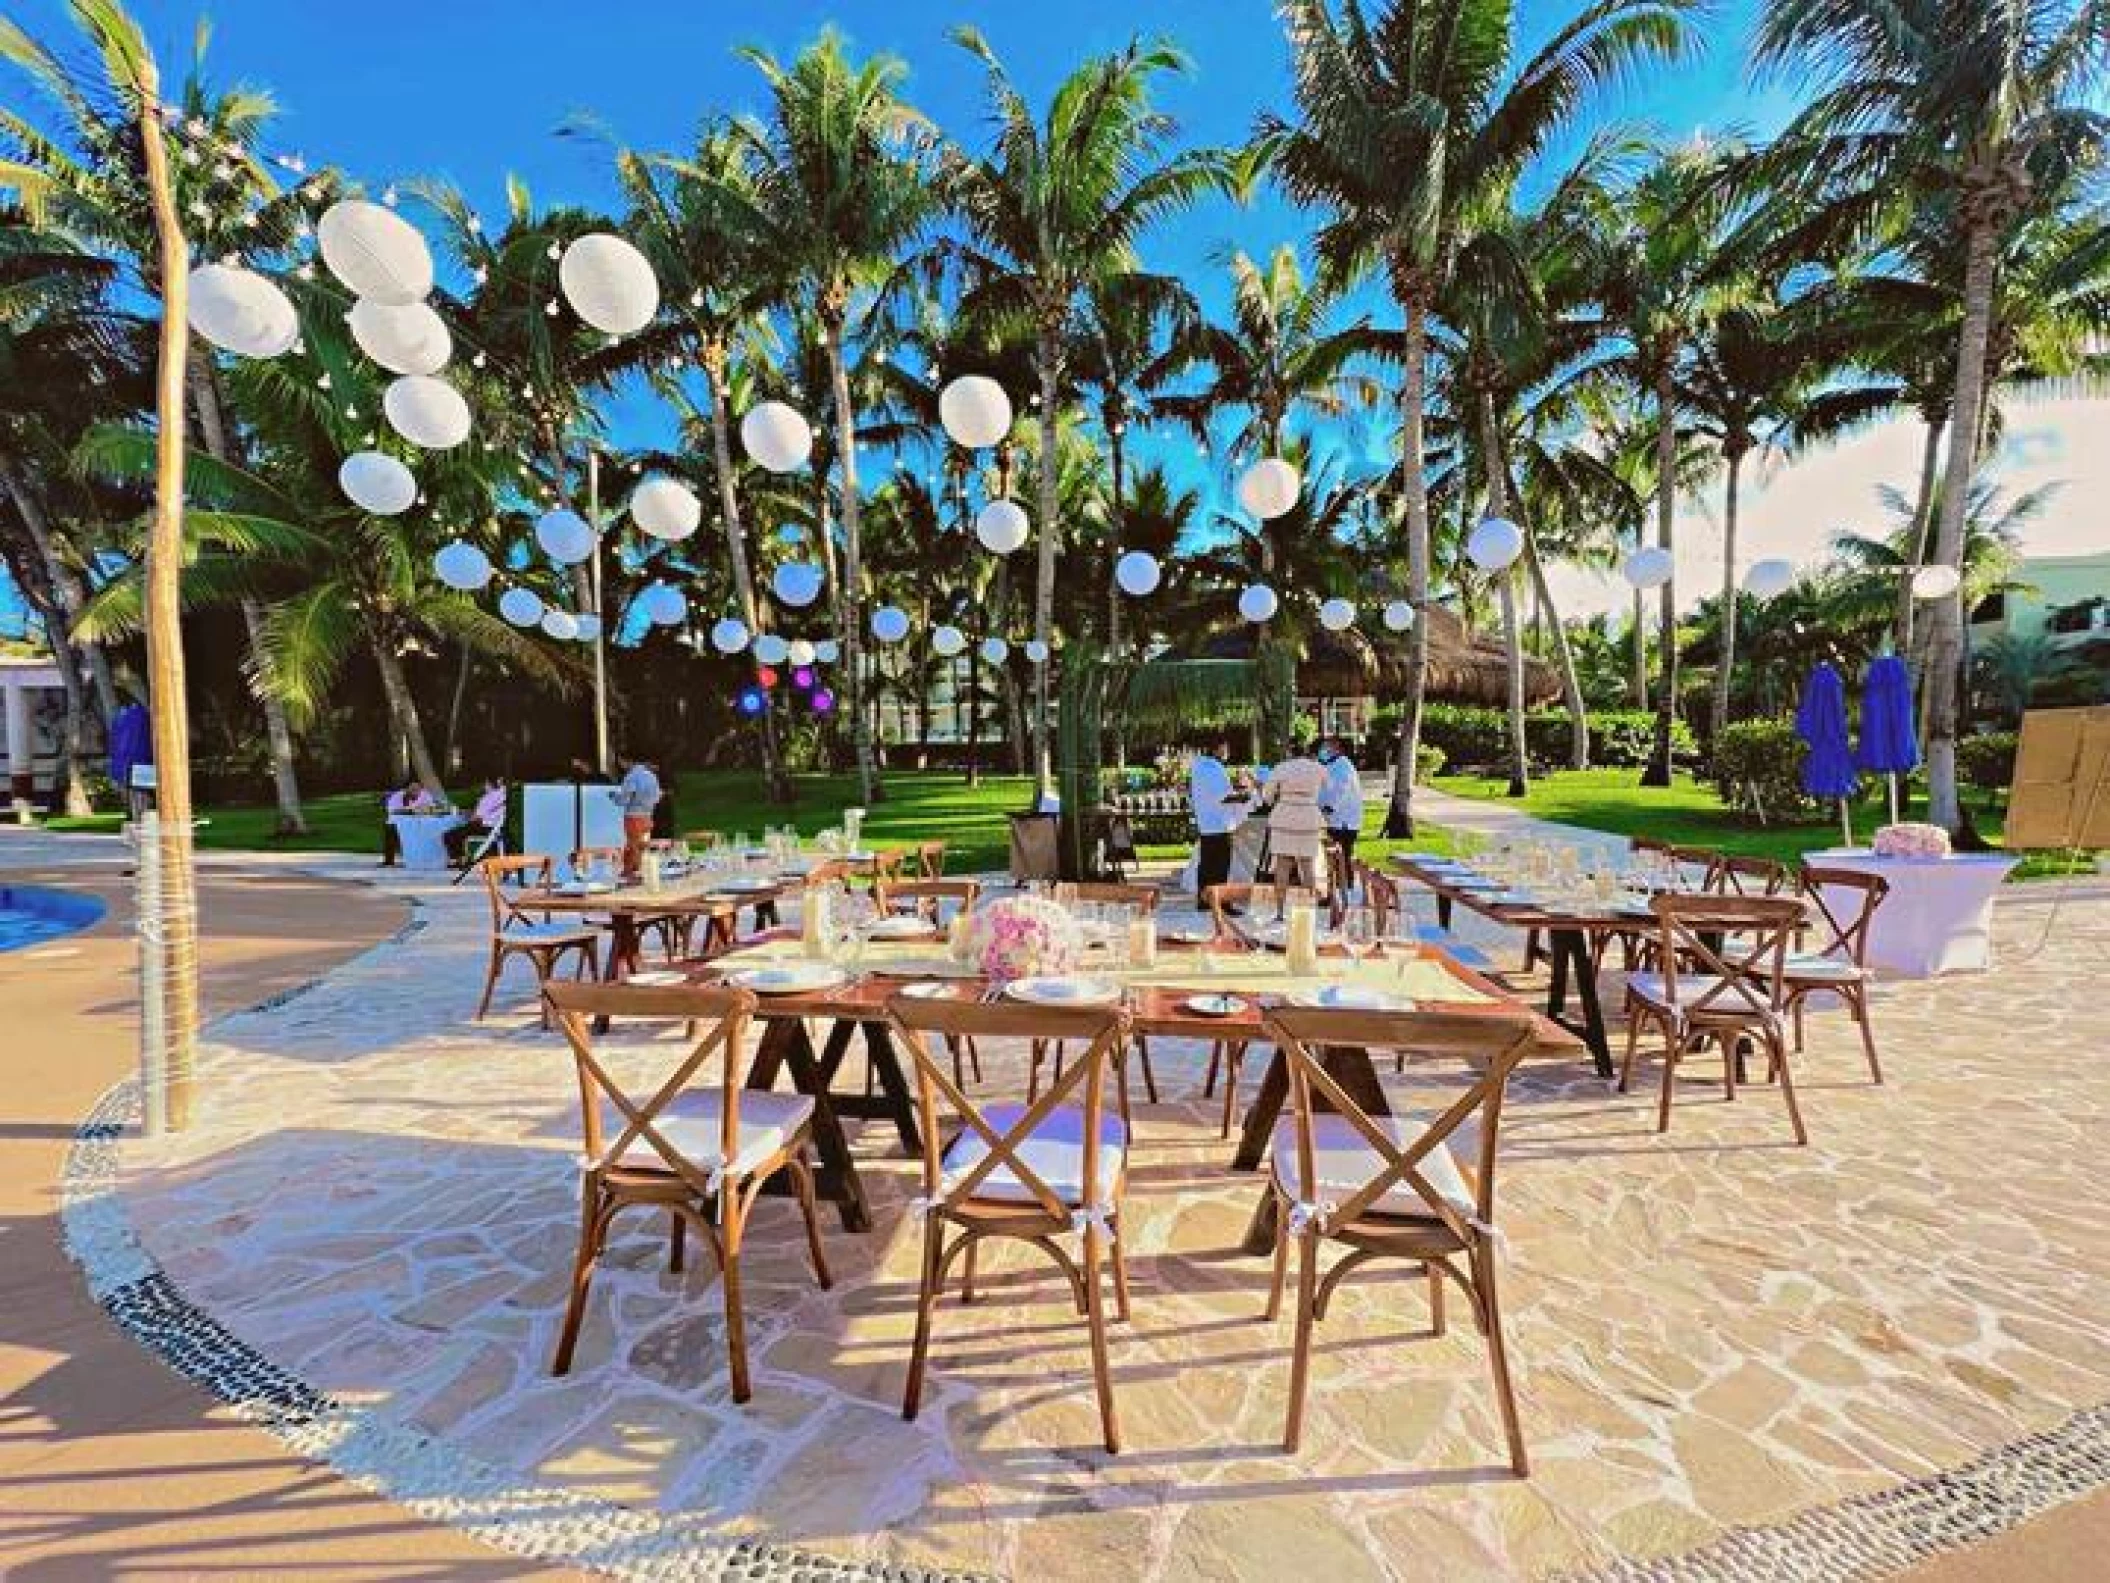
520	932
1812	968
1054	1153
693	1121
1692	989
1344	1161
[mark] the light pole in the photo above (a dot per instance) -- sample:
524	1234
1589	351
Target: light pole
600	622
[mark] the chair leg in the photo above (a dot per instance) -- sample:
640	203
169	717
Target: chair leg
1300	1351
677	1233
729	1279
1787	1092
1858	1001
1034	1052
1633	1043
1436	1320
967	1259
802	1179
1150	1081
1216	1055
1274	1289
1729	1043
1498	1357
1095	1319
926	1297
1798	1024
1119	1260
581	1275
1673	1049
491	979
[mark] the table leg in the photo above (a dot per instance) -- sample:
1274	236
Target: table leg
1557	990
1571	948
1443	911
784	1043
1353	1069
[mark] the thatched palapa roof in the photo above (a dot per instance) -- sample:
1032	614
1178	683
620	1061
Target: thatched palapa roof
1463	668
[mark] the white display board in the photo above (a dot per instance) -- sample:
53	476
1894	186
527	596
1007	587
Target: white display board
557	820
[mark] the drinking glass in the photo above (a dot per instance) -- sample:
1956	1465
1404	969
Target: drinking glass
1358	933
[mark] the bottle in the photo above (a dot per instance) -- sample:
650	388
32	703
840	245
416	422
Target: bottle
1143	940
1301	939
814	933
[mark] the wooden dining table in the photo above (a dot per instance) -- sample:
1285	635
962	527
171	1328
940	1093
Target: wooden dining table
628	906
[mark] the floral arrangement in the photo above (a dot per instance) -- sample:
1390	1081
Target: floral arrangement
1912	840
1020	936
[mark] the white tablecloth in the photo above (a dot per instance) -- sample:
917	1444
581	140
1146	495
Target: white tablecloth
424	837
1938	915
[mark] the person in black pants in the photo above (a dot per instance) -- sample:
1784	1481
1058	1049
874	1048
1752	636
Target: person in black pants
1212	800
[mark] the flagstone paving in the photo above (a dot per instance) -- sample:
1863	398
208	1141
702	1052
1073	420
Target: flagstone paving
1716	1332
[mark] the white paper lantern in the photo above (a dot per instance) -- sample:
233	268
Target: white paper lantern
995	651
378	483
462	565
800	651
777	437
729	636
609	284
1494	544
1257	603
798	583
975	411
1002	527
404	338
240	311
1137	573
1037	651
1935	582
827	651
375	251
520	606
948	641
665	508
426	411
588	626
1399	615
771	649
564	536
1769	579
1269	488
561	625
663	605
890	623
1648	567
1337	615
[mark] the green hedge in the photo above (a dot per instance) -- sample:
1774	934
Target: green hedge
1760	761
1987	760
1474	736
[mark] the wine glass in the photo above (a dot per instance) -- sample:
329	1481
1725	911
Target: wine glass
1358	933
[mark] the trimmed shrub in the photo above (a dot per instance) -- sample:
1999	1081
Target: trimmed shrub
1757	769
1987	760
1473	736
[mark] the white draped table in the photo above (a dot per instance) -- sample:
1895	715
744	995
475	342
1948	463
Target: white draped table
424	837
1938	915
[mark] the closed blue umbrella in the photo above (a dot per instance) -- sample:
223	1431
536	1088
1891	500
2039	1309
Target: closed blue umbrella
1828	757
1888	745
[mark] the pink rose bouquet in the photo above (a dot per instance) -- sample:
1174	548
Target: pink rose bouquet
1021	936
1912	840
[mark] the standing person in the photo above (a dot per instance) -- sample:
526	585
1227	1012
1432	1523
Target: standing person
1294	823
1342	803
1217	811
489	815
637	795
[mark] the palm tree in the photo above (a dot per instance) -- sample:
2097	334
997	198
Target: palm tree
839	186
1986	107
1053	210
1405	118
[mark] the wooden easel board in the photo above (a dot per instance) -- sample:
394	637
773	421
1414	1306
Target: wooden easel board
2061	793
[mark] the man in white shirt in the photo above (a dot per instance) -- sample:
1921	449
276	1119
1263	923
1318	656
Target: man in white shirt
1342	800
1217	812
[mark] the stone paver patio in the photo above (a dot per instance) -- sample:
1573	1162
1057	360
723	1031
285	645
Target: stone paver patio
1715	1331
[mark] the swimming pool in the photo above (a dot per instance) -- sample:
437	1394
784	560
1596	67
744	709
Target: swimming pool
32	914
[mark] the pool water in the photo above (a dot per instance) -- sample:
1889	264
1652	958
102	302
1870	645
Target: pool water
33	914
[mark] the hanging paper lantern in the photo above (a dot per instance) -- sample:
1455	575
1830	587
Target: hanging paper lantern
426	411
609	284
520	606
975	411
890	623
1269	488
1137	573
827	651
564	536
798	583
404	338
995	651
1037	652
1399	615
1494	544
665	508
799	652
375	252
1002	527
377	482
1257	603
823	700
729	636
801	678
240	311
1769	579
462	565
1648	567
1935	582
589	625
947	641
751	702
771	649
664	605
561	625
765	677
1337	615
777	437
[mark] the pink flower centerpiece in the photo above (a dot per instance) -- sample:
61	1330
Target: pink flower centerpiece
1912	840
1021	936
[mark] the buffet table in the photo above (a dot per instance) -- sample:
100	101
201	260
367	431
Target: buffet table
1938	916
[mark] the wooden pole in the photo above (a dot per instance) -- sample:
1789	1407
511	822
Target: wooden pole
167	704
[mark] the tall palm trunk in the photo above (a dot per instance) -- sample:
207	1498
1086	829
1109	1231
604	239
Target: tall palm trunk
1725	667
1945	624
278	734
1922	524
453	755
1512	640
1658	771
1414	501
1639	633
1563	653
67	594
852	638
776	784
1117	457
1048	357
403	712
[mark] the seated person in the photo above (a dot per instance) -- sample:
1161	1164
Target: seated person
410	797
488	815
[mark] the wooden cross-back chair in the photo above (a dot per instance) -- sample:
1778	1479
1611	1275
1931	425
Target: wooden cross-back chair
1227	1056
930	860
1221	899
1037	1173
1393	1186
1720	978
1144	898
1839	966
1734	874
516	932
673	929
927	897
701	1152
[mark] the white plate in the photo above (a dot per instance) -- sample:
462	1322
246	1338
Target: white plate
1064	991
929	989
657	977
1215	1005
791	978
1349	997
586	887
905	927
1191	936
744	887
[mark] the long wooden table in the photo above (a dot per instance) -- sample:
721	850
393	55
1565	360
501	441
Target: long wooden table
629	905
